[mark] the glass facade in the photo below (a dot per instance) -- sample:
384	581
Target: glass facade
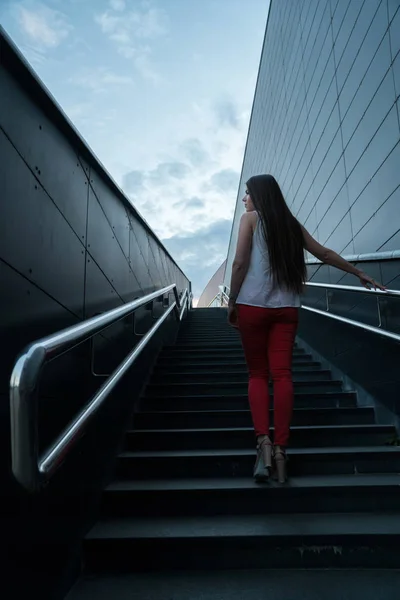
325	120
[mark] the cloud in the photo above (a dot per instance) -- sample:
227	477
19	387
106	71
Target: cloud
78	110
167	170
44	27
192	186
190	203
99	79
118	5
132	31
188	195
227	114
138	182
227	180
201	253
194	151
133	182
145	67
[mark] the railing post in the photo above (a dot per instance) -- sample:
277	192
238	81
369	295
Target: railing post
378	304
24	411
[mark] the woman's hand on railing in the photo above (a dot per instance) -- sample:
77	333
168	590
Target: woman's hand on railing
370	283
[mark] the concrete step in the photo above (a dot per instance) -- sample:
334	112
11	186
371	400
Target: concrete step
236	438
242	418
310	584
229	361
228	364
248	541
235	495
198	387
241	402
216	349
177	377
211	334
181	464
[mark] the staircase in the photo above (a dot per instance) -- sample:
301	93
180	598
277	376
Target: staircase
184	499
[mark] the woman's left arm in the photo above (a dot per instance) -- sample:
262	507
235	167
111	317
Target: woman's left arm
241	261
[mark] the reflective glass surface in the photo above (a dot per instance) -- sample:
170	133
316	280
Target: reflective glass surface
325	119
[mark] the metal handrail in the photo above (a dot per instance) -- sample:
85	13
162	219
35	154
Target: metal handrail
221	296
371	328
352	288
31	470
224	295
358	289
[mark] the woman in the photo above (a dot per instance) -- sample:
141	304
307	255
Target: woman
267	279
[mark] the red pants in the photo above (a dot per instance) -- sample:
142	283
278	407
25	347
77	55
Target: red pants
268	336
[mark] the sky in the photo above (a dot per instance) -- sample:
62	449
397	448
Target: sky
161	90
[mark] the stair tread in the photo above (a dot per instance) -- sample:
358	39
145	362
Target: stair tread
308	584
222	430
227	412
313	382
249	452
241	372
241	483
330	501
277	525
241	395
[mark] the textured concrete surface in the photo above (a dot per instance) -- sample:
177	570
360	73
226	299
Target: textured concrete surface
243	585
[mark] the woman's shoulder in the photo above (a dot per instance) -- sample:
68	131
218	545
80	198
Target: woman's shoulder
250	217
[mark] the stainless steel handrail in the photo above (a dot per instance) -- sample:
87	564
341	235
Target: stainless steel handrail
31	470
221	296
351	288
383	332
216	297
224	295
356	258
378	294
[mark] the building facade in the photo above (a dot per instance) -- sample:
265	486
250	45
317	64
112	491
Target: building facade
325	121
208	296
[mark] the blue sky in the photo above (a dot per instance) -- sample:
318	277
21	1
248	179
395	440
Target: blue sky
162	91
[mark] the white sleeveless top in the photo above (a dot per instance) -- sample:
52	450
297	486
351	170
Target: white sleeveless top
258	286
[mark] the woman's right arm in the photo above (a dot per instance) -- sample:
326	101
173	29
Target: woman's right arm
330	257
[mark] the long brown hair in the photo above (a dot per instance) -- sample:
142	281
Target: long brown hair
281	231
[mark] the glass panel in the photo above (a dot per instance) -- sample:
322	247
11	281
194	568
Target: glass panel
329	214
368	88
381	186
385	139
370	122
394	30
361	27
366	53
382	225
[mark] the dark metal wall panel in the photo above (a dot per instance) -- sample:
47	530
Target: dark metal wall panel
71	246
54	194
45	151
100	295
138	264
104	248
35	237
116	215
154	265
142	239
27	313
